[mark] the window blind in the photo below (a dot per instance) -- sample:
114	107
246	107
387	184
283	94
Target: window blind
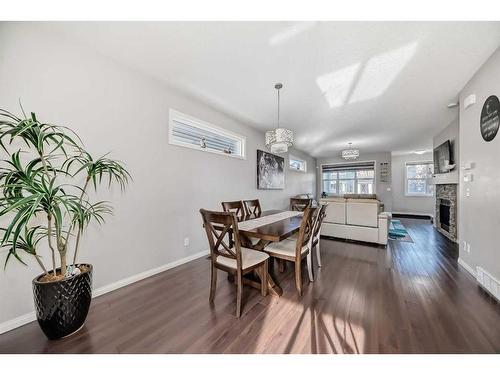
185	133
349	166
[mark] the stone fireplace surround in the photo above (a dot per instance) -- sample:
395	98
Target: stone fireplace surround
448	194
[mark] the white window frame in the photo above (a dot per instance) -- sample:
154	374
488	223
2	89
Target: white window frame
418	162
193	121
375	179
291	157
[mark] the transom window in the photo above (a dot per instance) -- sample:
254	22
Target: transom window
297	164
417	178
349	178
190	132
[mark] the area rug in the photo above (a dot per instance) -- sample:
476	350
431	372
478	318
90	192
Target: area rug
398	232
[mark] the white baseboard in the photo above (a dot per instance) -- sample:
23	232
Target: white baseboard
17	322
143	275
30	317
467	267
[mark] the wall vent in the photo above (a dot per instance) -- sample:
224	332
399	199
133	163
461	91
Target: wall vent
488	282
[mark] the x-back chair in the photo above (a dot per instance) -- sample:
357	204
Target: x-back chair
300	204
252	207
232	258
295	251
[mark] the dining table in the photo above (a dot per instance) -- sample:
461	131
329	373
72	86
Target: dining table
270	226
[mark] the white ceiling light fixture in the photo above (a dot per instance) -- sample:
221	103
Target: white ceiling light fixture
279	139
350	153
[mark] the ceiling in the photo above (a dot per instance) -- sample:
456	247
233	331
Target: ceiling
384	86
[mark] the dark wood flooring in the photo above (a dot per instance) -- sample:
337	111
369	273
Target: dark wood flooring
410	298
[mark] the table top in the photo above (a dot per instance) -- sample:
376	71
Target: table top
276	231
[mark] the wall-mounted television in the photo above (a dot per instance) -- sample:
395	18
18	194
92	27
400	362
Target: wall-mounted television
443	156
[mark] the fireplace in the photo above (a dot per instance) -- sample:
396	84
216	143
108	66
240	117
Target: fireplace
446	210
444	214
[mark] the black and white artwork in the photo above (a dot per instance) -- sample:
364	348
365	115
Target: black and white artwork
270	171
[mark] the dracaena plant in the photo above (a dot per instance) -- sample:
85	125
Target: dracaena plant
45	178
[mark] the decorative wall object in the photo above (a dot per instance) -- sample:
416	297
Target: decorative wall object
385	172
270	171
490	119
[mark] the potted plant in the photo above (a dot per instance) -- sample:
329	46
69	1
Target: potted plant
44	181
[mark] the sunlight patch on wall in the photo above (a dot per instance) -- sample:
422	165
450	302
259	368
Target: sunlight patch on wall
380	71
290	32
336	86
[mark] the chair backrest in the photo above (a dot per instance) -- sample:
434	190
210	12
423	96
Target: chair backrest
252	207
321	213
305	231
217	226
299	204
237	207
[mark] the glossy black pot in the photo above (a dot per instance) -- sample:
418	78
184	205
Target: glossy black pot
62	306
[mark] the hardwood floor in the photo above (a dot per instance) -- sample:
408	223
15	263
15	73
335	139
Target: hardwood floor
410	298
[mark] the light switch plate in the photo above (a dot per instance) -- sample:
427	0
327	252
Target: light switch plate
468	177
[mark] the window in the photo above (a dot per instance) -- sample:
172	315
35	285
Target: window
297	164
353	178
190	132
417	179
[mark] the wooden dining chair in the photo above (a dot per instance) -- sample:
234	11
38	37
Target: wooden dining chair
317	232
235	260
237	207
295	251
252	207
314	239
300	204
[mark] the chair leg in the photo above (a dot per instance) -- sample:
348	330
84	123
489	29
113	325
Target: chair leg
213	283
298	276
310	266
239	292
318	254
281	265
263	279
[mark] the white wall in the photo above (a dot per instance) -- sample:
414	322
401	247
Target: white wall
479	219
381	188
401	203
115	109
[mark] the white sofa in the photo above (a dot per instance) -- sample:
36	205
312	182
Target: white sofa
356	219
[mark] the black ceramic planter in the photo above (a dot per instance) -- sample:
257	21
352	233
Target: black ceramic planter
62	306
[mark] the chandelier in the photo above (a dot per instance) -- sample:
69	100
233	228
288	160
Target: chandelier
350	153
279	139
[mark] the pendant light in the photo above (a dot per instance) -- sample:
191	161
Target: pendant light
350	153
279	139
